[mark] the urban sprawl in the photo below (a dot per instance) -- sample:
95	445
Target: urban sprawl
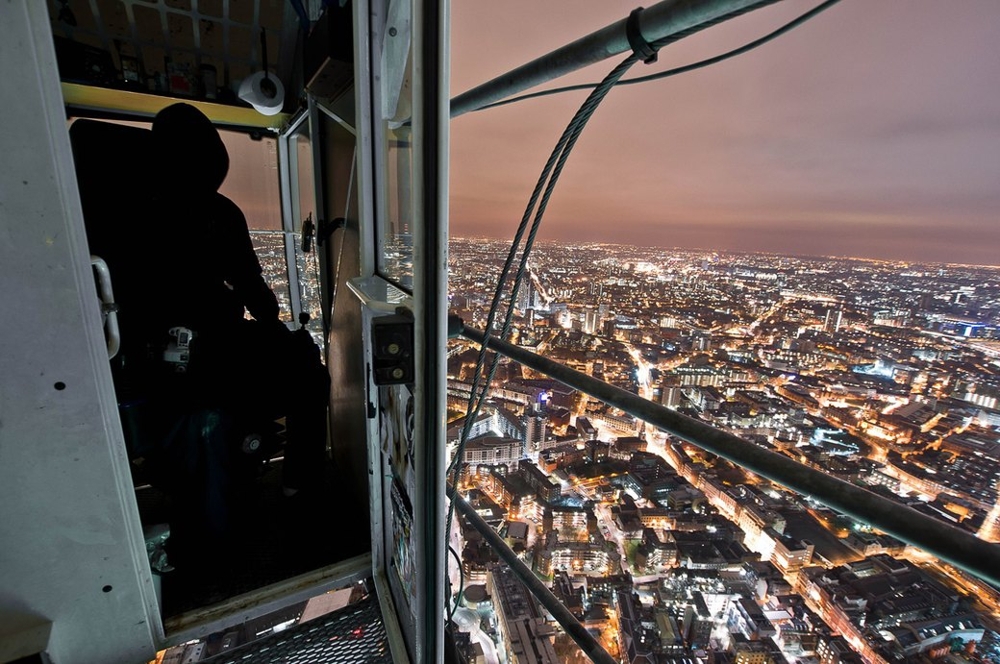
884	374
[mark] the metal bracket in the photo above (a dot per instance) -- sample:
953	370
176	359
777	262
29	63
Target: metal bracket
633	33
393	350
326	229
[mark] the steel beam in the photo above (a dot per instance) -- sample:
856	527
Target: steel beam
951	544
430	296
567	620
664	19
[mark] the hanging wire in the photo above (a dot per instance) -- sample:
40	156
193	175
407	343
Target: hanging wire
461	583
548	179
553	167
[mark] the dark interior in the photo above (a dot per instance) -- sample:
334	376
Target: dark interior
232	527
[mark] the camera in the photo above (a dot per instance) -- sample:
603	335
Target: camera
177	352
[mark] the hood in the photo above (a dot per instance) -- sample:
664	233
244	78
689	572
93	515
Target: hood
189	151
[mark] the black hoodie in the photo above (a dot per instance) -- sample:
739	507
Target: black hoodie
206	270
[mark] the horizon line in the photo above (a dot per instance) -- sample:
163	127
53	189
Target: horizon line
735	252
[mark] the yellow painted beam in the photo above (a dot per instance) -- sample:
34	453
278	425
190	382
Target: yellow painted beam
140	103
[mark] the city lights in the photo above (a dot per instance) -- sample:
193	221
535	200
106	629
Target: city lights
849	366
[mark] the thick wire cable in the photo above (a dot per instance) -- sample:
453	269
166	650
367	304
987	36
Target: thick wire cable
461	583
677	70
553	167
568	141
548	179
559	154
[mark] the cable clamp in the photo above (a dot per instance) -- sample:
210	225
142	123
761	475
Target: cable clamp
640	46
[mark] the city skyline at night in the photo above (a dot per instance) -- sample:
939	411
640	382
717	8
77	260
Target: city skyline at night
871	131
883	374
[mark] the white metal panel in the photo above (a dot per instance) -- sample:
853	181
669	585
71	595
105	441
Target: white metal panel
363	12
291	216
71	548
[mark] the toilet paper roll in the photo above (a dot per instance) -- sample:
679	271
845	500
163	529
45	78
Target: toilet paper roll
265	95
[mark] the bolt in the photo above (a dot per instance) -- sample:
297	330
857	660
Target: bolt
397	373
392	32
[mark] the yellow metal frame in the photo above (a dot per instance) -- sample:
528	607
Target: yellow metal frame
139	103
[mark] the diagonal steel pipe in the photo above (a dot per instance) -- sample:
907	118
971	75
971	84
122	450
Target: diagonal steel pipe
951	544
567	620
664	19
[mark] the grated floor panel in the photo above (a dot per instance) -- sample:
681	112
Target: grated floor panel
354	634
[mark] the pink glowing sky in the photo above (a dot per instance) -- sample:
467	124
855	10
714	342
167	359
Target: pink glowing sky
872	130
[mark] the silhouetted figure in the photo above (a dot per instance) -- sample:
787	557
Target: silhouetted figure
214	273
201	276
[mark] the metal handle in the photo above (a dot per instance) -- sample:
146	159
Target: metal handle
109	310
379	295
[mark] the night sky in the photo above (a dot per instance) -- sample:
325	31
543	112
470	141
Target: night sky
872	131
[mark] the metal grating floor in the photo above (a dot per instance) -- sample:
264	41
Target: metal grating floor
352	634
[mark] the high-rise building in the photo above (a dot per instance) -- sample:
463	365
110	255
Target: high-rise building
534	431
833	320
528	294
585	428
526	637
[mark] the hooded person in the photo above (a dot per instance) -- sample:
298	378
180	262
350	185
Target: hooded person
206	277
182	259
203	234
